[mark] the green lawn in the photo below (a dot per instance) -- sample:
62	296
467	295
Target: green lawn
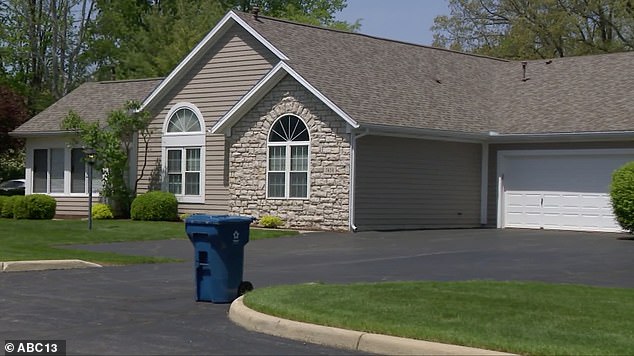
524	318
39	239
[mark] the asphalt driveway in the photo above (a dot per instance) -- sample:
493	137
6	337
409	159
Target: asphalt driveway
150	309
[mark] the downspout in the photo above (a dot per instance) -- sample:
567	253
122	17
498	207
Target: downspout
484	185
353	164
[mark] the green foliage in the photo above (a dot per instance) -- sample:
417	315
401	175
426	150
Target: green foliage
3	199
271	221
155	206
622	196
9	203
184	216
113	143
101	211
536	29
40	206
12	164
146	39
20	207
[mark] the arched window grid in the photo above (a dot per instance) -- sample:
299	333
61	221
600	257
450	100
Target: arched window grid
288	159
184	119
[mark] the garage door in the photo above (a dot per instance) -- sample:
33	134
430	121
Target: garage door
563	190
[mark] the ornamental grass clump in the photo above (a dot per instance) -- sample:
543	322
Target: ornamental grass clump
272	222
102	211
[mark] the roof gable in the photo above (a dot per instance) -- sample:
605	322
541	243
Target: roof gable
263	87
209	40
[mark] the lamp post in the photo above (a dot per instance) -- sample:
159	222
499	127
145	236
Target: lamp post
90	159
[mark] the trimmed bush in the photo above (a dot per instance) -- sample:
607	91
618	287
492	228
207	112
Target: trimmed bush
622	196
3	199
20	207
41	206
155	206
271	221
102	211
7	207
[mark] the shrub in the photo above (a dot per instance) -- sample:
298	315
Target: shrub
20	207
40	206
155	206
271	221
7	207
2	200
101	211
622	196
184	216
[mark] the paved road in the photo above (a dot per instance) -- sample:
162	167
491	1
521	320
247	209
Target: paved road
150	309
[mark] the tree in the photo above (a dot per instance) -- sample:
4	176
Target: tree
113	143
313	12
537	28
13	112
140	39
43	44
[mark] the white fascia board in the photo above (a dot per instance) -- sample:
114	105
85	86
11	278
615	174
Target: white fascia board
263	87
209	39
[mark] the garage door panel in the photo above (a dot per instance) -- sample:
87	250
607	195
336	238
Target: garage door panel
580	200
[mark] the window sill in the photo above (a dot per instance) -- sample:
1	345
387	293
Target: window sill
192	200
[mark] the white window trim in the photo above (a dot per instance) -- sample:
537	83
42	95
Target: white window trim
175	108
29	174
182	140
287	158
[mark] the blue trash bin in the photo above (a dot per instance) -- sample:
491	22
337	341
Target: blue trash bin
219	255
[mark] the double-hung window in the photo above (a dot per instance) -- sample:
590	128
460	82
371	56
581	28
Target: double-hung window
183	171
183	152
288	159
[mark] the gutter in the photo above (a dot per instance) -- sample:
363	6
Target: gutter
494	137
27	134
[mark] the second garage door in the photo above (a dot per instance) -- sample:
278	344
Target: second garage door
563	190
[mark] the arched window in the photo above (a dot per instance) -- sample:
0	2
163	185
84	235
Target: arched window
184	120
183	153
288	161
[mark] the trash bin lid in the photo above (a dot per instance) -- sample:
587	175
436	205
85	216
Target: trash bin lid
206	219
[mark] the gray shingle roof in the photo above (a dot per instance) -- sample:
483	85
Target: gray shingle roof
575	94
384	82
389	83
92	101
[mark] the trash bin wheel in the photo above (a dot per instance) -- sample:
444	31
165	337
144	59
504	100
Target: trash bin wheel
244	287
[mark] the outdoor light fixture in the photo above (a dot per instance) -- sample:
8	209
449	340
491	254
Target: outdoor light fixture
89	157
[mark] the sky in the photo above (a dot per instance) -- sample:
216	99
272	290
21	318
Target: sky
403	20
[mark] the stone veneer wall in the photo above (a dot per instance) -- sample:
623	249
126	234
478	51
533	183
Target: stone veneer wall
326	207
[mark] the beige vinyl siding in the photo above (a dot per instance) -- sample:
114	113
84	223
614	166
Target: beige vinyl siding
214	85
492	201
73	206
404	183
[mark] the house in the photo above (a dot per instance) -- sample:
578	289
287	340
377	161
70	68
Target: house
342	131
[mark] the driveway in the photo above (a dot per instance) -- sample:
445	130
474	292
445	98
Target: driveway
150	309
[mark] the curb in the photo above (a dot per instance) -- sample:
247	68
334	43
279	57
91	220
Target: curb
343	338
21	266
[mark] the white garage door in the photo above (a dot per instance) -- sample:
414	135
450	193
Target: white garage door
563	190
